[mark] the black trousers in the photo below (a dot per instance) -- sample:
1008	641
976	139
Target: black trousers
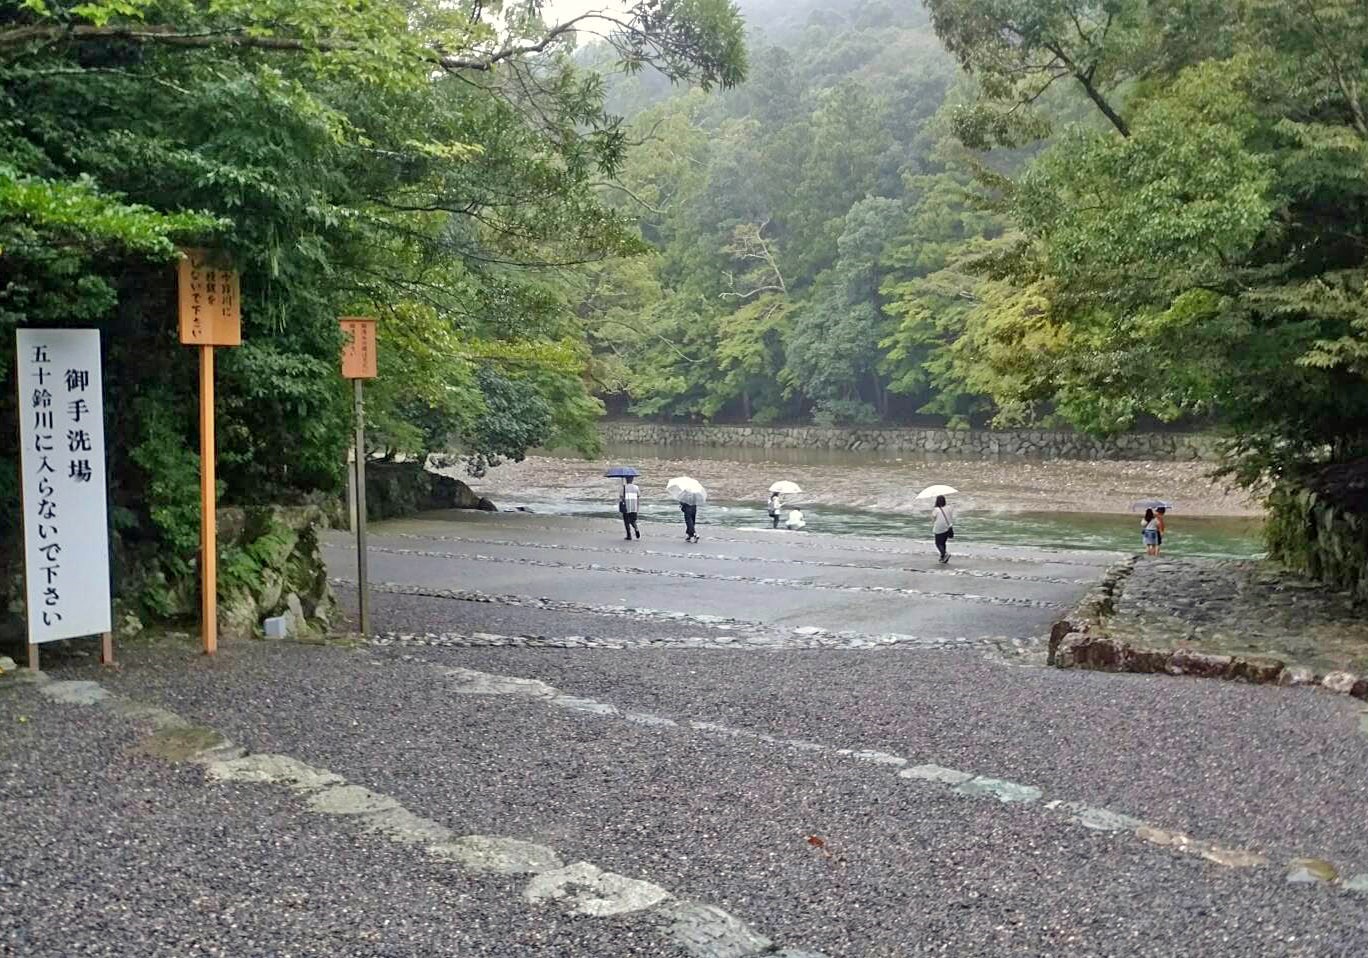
629	519
941	539
690	517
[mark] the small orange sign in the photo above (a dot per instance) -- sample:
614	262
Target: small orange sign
358	352
210	310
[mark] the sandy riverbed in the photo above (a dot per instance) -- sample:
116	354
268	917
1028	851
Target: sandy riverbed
892	486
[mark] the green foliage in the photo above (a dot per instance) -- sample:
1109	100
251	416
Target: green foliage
427	163
771	207
169	480
1201	252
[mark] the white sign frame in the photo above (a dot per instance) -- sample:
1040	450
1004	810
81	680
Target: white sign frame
65	510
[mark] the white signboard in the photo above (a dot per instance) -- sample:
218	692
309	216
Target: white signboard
66	531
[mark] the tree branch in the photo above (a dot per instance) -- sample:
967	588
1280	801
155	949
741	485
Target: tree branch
166	35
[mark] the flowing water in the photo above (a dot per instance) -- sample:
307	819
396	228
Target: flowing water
1060	504
1222	536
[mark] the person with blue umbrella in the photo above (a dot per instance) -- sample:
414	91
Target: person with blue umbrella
629	499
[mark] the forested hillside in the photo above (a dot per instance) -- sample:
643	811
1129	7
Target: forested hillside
802	224
1030	211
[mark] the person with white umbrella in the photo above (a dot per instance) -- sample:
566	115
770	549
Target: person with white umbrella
942	518
689	493
777	491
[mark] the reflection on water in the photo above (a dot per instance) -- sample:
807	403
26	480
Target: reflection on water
1237	537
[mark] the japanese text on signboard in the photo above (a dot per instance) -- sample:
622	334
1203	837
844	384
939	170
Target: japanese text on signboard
61	431
210	313
358	349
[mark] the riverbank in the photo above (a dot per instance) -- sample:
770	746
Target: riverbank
883	484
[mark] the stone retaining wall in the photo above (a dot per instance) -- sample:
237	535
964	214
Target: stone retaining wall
953	443
1083	641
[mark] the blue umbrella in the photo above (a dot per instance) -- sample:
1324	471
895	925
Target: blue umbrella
621	472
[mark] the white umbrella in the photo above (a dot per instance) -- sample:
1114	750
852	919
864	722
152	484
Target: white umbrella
930	492
1151	504
786	488
684	489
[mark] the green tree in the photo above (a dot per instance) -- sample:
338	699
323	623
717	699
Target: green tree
421	161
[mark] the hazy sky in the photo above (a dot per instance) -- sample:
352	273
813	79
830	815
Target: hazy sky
558	11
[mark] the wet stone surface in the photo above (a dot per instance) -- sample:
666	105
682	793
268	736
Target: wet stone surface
1241	608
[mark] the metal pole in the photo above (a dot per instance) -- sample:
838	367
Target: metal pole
208	507
361	587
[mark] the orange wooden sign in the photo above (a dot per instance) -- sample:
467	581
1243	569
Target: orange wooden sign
210	310
358	352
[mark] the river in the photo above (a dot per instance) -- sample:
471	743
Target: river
1073	504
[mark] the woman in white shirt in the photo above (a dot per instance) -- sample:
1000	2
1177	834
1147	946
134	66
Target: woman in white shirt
943	527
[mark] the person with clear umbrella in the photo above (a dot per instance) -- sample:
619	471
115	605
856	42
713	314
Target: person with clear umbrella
689	493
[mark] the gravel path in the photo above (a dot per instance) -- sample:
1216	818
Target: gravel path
907	868
716	775
420	613
113	853
1280	770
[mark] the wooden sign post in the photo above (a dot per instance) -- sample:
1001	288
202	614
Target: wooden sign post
358	365
210	315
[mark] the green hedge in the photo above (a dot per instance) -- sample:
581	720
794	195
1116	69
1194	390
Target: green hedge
1314	528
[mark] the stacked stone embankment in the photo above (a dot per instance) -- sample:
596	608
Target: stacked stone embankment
954	443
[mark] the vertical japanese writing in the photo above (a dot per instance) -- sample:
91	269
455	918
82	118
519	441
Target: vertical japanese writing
208	301
44	430
65	519
196	304
227	284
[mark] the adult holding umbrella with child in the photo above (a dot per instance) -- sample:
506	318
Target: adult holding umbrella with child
776	498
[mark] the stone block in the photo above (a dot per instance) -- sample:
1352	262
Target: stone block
1340	682
1057	632
1102	654
1200	664
238	615
1297	675
1258	669
1066	655
277	627
1148	661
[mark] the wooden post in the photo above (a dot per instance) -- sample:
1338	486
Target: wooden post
33	657
208	507
210	295
107	649
358	365
363	615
